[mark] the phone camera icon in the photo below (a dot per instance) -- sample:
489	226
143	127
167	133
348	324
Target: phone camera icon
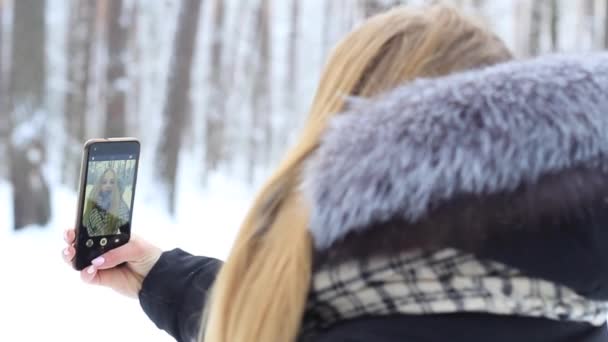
89	243
103	242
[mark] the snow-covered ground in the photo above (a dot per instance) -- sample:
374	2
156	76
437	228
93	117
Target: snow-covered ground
42	299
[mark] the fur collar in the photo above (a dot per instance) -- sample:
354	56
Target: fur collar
454	160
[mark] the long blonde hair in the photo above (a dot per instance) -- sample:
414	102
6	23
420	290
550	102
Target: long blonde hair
115	201
261	290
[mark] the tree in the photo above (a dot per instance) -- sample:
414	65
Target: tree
605	25
26	105
589	22
116	76
80	39
135	69
176	111
373	7
4	123
236	77
215	114
535	28
233	56
479	4
554	25
261	127
291	90
291	84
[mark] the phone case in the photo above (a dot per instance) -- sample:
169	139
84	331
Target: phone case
76	262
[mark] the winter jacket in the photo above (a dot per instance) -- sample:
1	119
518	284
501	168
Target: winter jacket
503	167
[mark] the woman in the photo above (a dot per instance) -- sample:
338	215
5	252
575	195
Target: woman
426	213
105	211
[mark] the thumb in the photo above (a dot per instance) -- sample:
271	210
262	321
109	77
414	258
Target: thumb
118	279
129	252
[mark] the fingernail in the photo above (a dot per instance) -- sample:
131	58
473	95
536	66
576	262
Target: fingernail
91	270
66	251
98	261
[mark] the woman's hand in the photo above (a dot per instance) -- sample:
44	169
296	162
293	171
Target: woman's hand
138	255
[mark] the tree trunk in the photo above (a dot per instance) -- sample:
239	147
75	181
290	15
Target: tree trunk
27	87
233	56
535	28
291	85
554	25
176	112
373	7
236	78
605	25
265	106
261	130
589	21
80	39
290	92
135	69
4	124
215	118
116	77
480	5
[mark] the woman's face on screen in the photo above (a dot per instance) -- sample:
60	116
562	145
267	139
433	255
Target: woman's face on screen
107	183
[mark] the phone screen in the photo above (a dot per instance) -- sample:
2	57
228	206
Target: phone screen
108	198
107	195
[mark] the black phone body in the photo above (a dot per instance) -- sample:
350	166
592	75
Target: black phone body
108	176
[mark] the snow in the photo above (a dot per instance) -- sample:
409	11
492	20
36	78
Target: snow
27	131
43	299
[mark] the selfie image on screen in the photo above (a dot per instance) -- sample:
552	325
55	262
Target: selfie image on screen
109	190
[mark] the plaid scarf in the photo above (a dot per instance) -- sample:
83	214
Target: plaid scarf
447	281
98	220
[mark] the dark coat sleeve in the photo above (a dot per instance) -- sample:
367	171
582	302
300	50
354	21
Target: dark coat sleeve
174	292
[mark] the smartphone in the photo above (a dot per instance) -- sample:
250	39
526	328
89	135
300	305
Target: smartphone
108	175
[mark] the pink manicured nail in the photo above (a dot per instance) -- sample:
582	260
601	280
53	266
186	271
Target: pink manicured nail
66	251
91	270
98	261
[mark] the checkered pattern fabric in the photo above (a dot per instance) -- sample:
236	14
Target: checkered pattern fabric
441	282
97	220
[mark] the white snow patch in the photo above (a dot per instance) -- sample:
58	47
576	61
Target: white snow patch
43	299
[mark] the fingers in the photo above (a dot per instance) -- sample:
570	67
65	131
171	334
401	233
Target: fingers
69	235
90	275
130	252
119	279
141	257
68	254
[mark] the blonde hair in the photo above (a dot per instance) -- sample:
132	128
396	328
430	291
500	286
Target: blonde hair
93	198
261	290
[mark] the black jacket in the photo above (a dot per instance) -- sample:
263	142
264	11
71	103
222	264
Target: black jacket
175	290
509	163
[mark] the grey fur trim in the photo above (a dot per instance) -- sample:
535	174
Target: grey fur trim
475	133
